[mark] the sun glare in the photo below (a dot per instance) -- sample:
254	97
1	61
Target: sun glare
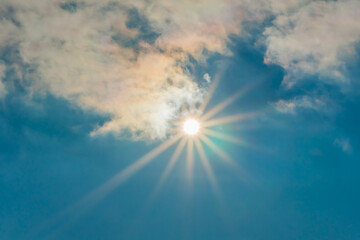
191	126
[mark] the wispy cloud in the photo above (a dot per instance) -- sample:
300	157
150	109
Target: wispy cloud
344	144
293	105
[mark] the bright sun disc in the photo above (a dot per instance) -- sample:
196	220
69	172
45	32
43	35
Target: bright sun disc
191	127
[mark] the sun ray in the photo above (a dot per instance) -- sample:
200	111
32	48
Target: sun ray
209	94
218	150
169	166
240	171
223	136
190	159
97	194
228	138
228	119
122	176
220	107
208	169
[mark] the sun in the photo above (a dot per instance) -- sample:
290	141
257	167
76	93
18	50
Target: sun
191	126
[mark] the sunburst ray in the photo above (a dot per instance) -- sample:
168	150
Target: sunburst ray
234	165
221	106
169	166
210	93
208	169
228	119
223	136
218	150
190	160
123	175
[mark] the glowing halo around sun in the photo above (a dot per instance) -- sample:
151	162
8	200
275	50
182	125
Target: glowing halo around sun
191	126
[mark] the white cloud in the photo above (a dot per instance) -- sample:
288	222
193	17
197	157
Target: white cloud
303	102
344	144
314	38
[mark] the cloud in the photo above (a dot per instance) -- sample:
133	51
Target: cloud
344	144
314	38
128	60
132	60
207	77
299	103
3	90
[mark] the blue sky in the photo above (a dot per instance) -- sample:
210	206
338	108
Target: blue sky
88	88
